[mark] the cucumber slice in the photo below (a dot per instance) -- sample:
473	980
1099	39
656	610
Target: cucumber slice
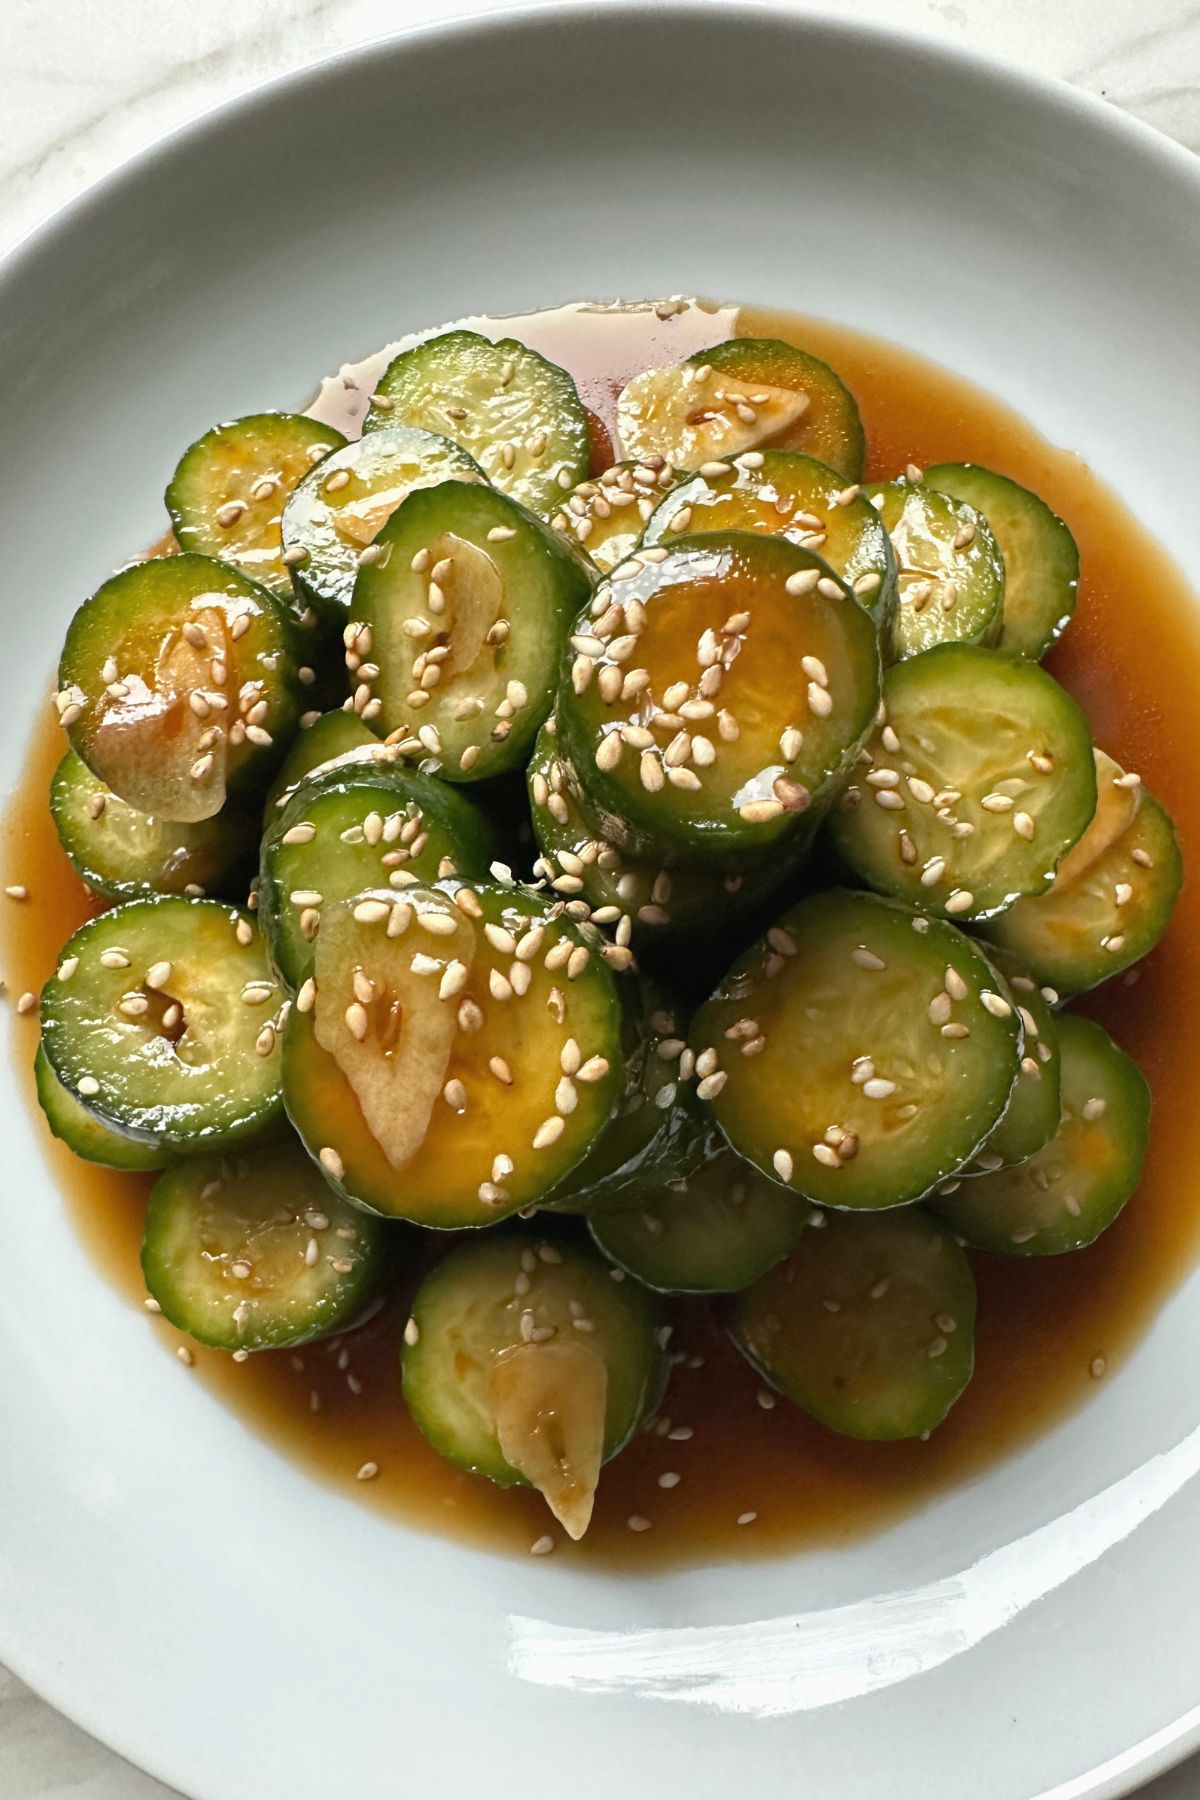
162	1018
431	1077
719	690
518	415
658	1132
712	1232
1066	1194
334	740
860	1053
1041	558
524	1362
72	1123
744	394
123	854
227	496
576	859
254	1252
177	685
1111	898
869	1325
1034	1106
353	828
606	515
978	779
788	495
951	572
334	515
465	617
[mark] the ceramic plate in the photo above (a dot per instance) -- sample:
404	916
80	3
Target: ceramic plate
167	1579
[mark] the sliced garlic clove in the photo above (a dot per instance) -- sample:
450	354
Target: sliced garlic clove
548	1401
667	412
395	1049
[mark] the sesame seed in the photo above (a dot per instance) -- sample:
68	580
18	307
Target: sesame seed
412	1332
17	891
804	581
331	1162
636	1522
959	901
185	1356
866	959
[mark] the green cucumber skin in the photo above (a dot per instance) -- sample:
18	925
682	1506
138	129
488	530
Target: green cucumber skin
220	849
325	579
182	1130
176	1199
73	1125
459	818
845	448
254	768
768	1230
1029	629
535	559
484	1262
454	355
982	1211
194	532
870	1418
960	666
641	825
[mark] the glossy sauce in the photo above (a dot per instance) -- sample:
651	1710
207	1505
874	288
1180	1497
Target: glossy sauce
1132	657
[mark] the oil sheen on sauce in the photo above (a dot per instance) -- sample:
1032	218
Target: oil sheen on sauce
1132	657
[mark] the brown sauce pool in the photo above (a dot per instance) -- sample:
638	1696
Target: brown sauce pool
1132	657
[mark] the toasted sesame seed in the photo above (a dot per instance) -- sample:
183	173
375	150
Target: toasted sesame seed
866	959
959	901
804	581
331	1162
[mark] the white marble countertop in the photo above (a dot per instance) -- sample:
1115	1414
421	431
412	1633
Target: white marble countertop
84	85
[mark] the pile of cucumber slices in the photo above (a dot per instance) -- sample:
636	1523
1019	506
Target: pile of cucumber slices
685	847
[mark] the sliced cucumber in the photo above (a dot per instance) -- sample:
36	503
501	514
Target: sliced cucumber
429	1074
744	394
335	513
334	739
465	618
657	1134
177	685
719	690
788	495
860	1053
606	515
977	780
524	1362
80	1131
1034	1106
227	496
353	828
162	1019
577	859
1066	1194
712	1232
1112	896
123	854
1041	558
254	1252
869	1325
518	415
951	572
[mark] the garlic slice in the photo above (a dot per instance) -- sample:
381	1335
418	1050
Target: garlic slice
548	1402
1116	808
670	413
394	1049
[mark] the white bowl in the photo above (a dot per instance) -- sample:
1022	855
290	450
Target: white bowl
167	1579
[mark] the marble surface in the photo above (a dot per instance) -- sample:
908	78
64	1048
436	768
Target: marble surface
85	85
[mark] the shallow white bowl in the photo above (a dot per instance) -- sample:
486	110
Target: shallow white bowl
165	1578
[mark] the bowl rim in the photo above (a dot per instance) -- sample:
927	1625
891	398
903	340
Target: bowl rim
1127	1772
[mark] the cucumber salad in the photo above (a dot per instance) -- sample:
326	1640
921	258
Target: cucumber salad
551	878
